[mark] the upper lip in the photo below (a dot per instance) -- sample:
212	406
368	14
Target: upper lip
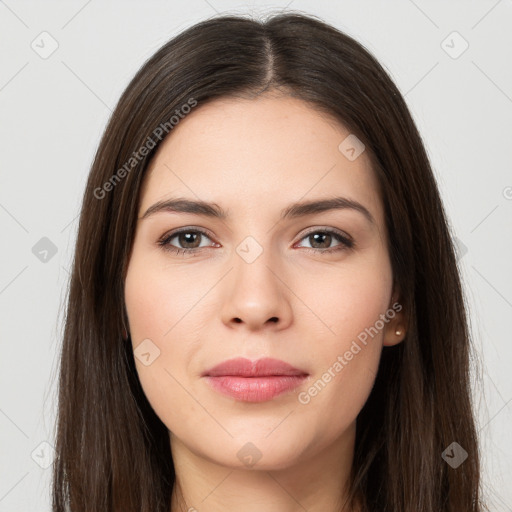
243	367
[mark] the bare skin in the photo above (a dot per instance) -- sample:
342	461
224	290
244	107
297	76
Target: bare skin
294	302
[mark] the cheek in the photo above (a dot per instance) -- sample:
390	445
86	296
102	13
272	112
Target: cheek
348	355
162	309
348	301
158	299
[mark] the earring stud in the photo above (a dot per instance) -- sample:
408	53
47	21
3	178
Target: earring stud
398	332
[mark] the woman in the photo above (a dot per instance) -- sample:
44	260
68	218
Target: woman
265	311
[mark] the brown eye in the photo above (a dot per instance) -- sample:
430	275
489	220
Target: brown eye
188	240
321	240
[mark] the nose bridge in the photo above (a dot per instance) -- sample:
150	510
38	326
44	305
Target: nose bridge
257	294
253	262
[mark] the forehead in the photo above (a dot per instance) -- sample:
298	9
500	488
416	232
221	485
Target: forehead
245	154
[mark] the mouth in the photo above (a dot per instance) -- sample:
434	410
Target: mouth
254	381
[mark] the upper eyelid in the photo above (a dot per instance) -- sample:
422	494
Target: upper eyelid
327	229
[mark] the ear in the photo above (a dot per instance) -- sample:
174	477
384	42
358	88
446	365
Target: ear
395	329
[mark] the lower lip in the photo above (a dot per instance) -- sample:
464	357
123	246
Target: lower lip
255	389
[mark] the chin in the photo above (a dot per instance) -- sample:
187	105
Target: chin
258	451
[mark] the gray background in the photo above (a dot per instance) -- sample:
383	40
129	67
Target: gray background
55	107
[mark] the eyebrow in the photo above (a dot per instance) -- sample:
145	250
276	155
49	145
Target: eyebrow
182	205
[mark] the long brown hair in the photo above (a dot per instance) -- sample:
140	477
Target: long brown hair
112	451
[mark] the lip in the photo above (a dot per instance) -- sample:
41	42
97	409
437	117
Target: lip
254	381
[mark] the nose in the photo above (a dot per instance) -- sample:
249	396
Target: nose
255	295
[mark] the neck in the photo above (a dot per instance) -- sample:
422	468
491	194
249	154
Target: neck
315	483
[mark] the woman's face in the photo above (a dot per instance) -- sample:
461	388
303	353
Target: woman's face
312	288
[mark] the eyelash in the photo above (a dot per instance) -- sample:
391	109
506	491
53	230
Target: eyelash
346	243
